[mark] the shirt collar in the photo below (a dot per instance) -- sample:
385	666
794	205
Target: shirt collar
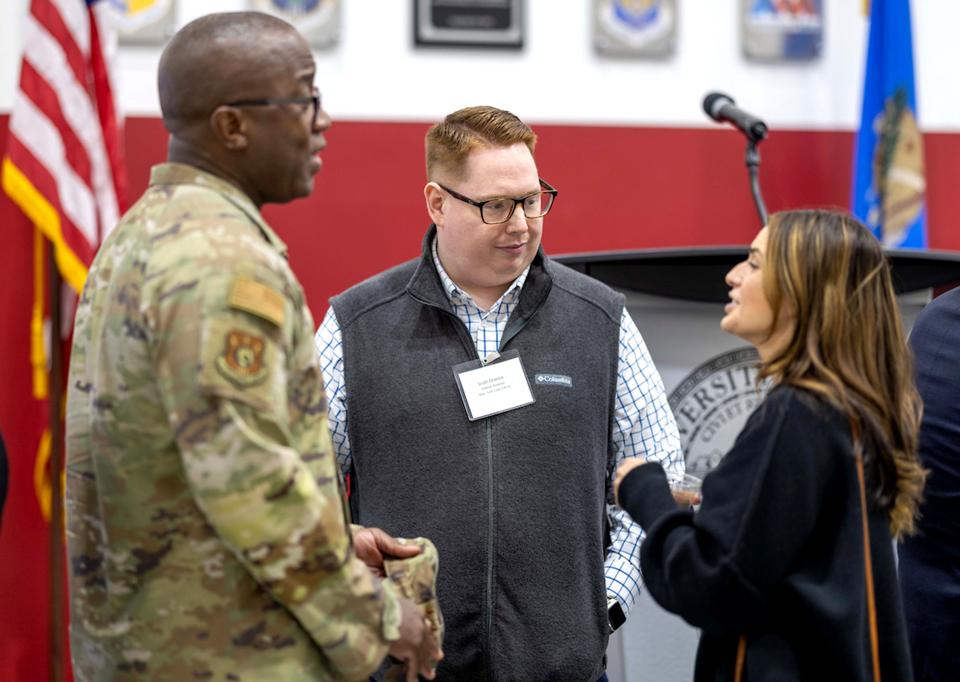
458	295
183	174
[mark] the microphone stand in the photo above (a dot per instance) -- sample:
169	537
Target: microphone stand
752	159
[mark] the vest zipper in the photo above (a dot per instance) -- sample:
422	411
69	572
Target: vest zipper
488	624
510	331
488	606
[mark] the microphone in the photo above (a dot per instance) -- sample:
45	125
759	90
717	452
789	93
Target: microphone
723	109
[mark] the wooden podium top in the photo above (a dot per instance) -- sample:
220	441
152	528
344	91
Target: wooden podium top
696	274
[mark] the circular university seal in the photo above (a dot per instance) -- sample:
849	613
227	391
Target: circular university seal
712	404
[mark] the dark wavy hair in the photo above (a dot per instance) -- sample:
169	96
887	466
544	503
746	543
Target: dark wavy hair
848	345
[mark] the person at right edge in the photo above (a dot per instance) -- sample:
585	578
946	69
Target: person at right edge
930	559
788	567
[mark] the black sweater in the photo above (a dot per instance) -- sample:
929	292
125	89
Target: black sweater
775	552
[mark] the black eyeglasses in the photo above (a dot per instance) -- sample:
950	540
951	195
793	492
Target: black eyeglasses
313	99
500	210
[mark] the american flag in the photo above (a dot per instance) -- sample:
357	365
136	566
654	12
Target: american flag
63	167
63	164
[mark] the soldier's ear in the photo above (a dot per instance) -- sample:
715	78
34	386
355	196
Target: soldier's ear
229	126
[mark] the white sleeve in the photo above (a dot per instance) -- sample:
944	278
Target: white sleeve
329	346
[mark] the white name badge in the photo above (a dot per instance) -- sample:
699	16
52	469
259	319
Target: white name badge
493	387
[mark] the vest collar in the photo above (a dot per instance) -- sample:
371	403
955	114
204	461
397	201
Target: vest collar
425	284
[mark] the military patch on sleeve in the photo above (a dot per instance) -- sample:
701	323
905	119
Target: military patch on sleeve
242	358
257	298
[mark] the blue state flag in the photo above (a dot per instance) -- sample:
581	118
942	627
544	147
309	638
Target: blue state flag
889	187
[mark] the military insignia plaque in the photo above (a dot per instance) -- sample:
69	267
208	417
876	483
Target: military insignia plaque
468	23
782	30
635	28
142	22
317	20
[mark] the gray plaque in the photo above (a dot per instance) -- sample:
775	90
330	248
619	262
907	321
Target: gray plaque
468	23
142	22
635	28
317	20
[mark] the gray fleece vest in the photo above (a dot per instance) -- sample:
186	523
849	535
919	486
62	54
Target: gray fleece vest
515	503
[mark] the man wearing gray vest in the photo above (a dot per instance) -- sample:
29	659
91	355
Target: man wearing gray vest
482	395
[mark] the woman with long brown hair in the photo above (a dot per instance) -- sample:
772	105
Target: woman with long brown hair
788	566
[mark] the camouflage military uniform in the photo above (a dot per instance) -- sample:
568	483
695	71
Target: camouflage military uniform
207	534
416	579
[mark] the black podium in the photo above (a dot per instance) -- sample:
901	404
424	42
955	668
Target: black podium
696	274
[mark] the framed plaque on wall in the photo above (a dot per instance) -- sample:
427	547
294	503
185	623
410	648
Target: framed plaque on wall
468	23
635	28
317	20
782	30
142	22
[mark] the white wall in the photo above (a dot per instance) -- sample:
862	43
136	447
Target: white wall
376	73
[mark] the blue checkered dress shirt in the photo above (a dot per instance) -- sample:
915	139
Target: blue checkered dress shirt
644	424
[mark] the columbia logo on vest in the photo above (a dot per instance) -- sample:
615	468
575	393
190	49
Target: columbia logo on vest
553	380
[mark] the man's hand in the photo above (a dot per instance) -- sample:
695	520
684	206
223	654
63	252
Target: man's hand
686	498
417	648
626	466
372	545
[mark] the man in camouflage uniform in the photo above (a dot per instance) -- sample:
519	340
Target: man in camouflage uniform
207	534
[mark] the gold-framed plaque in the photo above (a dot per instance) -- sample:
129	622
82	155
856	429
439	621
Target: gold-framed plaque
468	23
317	20
142	22
635	28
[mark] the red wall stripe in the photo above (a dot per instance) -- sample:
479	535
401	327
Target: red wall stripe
620	188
